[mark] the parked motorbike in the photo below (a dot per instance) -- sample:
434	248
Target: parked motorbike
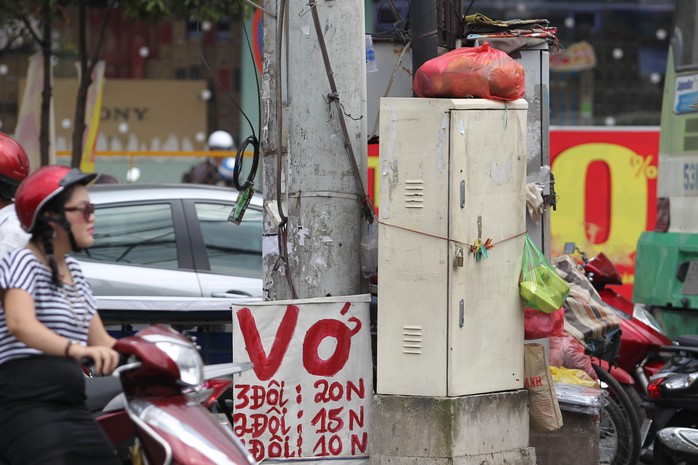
676	446
163	413
641	334
642	364
626	379
673	391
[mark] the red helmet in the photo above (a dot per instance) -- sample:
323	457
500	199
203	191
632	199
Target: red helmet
43	185
14	165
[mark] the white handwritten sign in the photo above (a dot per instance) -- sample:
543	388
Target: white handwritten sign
310	391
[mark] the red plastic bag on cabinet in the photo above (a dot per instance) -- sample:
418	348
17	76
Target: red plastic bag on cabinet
482	72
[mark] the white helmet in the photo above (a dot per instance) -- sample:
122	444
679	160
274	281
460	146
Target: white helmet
220	140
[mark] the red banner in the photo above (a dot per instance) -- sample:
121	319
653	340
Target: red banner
606	181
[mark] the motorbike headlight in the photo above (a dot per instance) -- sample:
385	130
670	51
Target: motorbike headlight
185	355
682	381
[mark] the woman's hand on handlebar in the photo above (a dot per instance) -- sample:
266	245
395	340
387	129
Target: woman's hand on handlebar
105	359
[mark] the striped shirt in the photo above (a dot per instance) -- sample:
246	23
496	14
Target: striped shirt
11	233
66	310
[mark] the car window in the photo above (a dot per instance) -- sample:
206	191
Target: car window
134	234
232	249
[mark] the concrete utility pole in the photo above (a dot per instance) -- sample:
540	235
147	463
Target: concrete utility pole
315	251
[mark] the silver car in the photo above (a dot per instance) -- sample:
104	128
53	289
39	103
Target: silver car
173	240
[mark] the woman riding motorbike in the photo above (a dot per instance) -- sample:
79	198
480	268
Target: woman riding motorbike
48	323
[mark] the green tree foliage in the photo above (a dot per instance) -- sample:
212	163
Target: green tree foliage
37	18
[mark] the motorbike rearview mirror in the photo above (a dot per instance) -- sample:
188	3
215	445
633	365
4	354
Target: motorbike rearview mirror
571	247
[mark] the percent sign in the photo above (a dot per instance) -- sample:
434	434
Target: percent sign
643	166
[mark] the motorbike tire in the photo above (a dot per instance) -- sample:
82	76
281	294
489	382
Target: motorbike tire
614	436
636	401
620	434
662	457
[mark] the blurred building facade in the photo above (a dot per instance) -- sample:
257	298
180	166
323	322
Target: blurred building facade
169	49
609	73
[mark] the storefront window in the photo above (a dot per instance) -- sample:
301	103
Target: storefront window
615	55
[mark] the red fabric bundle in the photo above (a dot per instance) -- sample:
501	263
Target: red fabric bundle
482	72
566	351
541	325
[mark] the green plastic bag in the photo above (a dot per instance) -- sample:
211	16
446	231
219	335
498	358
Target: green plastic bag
540	286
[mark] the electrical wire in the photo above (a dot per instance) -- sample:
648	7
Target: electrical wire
282	236
279	113
467	10
251	140
400	27
390	84
220	84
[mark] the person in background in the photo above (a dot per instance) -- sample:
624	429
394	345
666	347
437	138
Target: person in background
14	167
48	324
212	170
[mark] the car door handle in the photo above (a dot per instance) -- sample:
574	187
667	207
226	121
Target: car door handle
228	294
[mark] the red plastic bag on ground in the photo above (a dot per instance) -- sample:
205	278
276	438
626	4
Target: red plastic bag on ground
482	72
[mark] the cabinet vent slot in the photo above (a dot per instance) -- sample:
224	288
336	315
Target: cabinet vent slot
414	194
412	340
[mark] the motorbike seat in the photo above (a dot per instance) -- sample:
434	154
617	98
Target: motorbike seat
100	391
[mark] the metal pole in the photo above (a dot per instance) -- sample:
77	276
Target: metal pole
315	251
424	32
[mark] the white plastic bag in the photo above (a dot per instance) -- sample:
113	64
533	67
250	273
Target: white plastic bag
368	250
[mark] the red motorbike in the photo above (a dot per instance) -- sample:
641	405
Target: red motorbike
639	356
163	414
641	334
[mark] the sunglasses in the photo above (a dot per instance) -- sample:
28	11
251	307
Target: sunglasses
87	210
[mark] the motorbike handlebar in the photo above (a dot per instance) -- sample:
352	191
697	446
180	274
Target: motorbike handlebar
89	363
126	367
692	350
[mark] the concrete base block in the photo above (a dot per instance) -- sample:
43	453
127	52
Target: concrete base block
577	442
525	456
490	429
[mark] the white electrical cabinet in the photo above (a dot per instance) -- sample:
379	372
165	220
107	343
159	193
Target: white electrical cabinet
452	172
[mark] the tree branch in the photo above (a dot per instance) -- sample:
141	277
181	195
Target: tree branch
24	18
102	33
